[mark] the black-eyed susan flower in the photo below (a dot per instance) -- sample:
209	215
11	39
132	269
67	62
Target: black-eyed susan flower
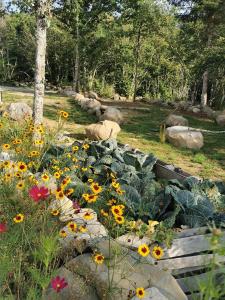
22	167
143	250
55	212
69	192
45	177
157	252
85	146
104	213
115	184
75	148
17	141
18	218
91	198
20	185
64	114
6	164
111	202
62	233
5	147
140	292
99	259
119	219
96	188
57	175
116	210
72	226
82	229
60	195
88	216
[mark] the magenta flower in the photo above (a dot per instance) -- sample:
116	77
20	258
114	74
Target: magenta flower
38	194
3	227
58	284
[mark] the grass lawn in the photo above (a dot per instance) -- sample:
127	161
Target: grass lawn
209	162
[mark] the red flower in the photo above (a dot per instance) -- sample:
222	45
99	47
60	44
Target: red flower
58	284
38	194
3	227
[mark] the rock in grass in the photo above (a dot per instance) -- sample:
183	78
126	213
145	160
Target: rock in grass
103	130
181	136
175	120
220	119
78	288
112	114
19	111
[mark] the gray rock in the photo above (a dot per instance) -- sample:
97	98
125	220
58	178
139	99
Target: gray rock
112	114
181	136
132	241
152	294
103	130
93	95
128	270
92	105
116	97
19	111
175	120
220	119
78	288
208	111
4	156
78	96
196	110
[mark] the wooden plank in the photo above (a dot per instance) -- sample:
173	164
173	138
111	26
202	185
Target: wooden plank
191	231
182	271
191	283
190	261
189	245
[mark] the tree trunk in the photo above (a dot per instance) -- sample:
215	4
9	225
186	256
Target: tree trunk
76	75
204	97
39	87
137	56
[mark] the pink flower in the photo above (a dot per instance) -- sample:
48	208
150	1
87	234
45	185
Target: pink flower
38	194
3	227
58	284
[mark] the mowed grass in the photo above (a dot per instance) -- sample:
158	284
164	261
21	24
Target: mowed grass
138	130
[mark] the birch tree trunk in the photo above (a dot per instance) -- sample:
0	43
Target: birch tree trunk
136	57
42	12
77	53
204	96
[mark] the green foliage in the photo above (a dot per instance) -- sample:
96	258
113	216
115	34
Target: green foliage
194	203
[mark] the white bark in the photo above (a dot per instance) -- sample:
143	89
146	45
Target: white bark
204	97
43	11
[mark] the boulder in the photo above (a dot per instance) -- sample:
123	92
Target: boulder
175	120
78	96
112	114
78	288
220	119
116	97
69	93
132	241
19	111
62	140
181	136
92	105
4	156
83	102
208	111
196	110
93	95
152	294
103	130
123	98
128	272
